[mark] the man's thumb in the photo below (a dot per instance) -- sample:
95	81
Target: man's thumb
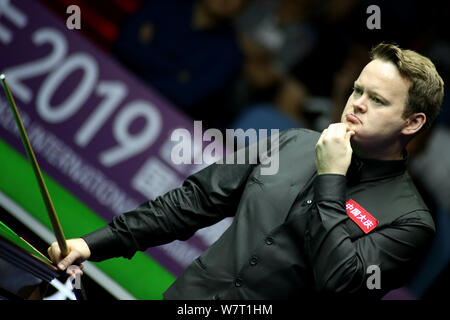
68	260
349	134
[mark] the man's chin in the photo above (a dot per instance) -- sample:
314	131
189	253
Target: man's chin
352	127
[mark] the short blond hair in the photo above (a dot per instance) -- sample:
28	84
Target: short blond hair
427	87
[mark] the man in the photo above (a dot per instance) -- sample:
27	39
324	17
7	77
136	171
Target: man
342	203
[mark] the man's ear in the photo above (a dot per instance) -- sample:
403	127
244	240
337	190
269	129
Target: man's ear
414	123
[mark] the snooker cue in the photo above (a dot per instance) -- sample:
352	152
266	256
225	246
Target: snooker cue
57	230
56	226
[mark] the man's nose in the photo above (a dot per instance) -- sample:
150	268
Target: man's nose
360	104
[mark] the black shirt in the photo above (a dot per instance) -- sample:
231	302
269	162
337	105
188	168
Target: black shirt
292	234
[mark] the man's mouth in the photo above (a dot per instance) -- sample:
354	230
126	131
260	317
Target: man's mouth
353	119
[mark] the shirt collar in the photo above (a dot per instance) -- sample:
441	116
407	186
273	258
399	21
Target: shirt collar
370	169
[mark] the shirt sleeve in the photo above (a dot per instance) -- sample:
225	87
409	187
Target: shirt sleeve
339	264
205	198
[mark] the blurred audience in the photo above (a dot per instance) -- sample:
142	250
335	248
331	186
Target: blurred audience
278	33
100	19
282	113
274	35
186	50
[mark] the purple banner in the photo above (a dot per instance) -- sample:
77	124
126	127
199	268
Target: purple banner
94	127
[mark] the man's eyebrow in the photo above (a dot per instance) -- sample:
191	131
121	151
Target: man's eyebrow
358	85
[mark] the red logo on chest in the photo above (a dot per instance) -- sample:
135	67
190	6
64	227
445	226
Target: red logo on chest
360	216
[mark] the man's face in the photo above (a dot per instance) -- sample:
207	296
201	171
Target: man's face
374	110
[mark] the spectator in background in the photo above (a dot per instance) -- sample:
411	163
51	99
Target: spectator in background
274	35
185	49
335	26
279	29
282	113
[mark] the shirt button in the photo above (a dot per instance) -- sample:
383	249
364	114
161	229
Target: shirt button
254	260
309	201
269	241
216	297
238	282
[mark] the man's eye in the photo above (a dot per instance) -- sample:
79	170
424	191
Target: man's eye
377	101
357	91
